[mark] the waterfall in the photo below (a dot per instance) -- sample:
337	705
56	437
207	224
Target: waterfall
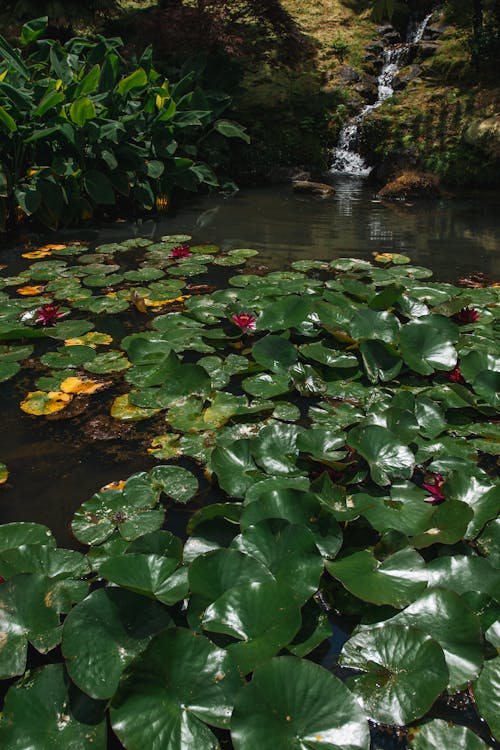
346	158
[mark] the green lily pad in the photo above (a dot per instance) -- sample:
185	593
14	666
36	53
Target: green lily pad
445	617
386	456
403	672
396	581
275	353
439	733
296	704
104	633
130	510
112	361
487	694
427	344
45	710
263	617
28	614
182	683
177	483
288	550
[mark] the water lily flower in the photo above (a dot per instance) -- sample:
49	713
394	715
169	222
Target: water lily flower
456	376
180	251
48	314
437	495
467	315
245	321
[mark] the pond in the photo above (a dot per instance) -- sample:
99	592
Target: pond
330	401
452	237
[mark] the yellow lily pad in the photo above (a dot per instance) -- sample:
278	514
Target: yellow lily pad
4	473
36	254
396	258
162	302
41	403
122	409
80	387
29	291
92	339
165	446
118	485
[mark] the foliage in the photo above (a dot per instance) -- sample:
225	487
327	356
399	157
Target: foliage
83	130
353	487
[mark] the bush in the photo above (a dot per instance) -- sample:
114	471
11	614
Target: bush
83	129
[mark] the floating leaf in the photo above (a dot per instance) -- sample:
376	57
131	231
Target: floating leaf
106	632
487	694
403	672
181	683
264	617
397	580
292	703
439	733
41	403
122	409
45	709
80	387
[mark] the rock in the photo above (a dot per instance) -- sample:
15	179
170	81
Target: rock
283	174
318	189
348	74
397	162
485	135
426	50
374	48
411	186
367	87
405	75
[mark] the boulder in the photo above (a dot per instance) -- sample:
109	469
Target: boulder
348	74
411	186
485	135
317	189
405	75
426	49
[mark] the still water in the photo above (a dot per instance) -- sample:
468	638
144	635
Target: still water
53	469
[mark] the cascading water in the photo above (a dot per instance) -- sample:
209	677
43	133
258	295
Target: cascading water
347	160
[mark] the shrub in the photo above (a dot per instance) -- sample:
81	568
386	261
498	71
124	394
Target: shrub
83	129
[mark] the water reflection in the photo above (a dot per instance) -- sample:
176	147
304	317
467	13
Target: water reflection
451	236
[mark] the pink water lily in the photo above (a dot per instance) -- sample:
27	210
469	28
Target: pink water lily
245	321
437	495
180	251
456	376
467	315
48	314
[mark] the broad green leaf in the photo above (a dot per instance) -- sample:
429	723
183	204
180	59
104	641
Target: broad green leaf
104	633
45	710
487	694
403	672
295	704
396	581
439	733
386	456
263	617
182	683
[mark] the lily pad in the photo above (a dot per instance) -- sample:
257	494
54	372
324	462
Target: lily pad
182	683
296	704
403	672
439	733
45	710
104	633
263	617
396	581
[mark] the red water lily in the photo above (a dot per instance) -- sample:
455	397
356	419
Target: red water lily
467	315
48	314
456	376
437	495
245	321
180	251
